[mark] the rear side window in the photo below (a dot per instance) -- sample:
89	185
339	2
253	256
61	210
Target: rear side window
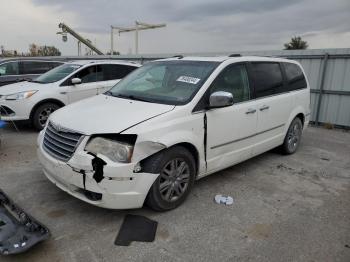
111	72
35	67
295	77
268	78
53	64
9	68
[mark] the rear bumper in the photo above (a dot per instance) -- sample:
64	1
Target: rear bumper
120	188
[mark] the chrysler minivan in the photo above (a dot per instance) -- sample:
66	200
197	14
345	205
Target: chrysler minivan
171	122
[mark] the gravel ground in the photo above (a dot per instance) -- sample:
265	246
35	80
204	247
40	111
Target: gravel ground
287	208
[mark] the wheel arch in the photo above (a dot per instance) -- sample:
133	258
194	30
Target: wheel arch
189	146
297	112
48	100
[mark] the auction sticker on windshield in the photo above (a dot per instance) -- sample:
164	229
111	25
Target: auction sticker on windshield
188	79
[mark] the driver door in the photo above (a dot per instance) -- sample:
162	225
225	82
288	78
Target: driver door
230	130
88	86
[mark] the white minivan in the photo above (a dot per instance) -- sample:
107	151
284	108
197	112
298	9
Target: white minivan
171	122
35	100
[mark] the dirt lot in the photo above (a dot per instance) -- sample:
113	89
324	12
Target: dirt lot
287	208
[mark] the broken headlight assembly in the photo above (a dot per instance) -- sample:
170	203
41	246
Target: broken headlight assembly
116	151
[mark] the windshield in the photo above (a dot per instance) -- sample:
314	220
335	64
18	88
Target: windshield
165	82
56	74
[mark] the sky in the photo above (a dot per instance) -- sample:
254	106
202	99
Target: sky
191	25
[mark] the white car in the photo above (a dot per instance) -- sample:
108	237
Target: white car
37	99
171	122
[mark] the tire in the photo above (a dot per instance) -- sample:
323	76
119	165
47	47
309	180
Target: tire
171	187
42	113
292	140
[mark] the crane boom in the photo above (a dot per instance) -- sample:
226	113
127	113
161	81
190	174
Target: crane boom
67	29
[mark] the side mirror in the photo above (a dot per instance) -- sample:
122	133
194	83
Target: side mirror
76	81
220	99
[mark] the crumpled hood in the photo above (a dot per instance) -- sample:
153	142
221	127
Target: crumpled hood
106	114
20	87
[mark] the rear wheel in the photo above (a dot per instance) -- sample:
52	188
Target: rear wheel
42	113
293	137
176	167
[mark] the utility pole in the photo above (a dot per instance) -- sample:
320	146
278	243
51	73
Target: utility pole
138	27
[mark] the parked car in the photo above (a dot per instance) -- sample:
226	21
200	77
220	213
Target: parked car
171	122
37	99
16	70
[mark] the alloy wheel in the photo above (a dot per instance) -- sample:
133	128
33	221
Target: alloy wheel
294	135
174	179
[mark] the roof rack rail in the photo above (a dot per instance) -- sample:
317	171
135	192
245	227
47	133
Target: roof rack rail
178	56
234	55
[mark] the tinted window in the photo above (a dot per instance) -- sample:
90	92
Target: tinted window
10	68
233	79
111	72
35	67
89	74
267	78
295	77
54	64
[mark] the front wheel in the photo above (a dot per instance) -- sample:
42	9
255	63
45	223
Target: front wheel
177	169
42	113
293	137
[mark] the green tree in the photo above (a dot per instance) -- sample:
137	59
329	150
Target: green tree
296	43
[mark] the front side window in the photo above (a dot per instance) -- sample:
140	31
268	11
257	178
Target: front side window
166	82
10	68
295	76
233	79
268	78
56	74
89	74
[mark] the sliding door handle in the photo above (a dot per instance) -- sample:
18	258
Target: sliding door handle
250	111
264	108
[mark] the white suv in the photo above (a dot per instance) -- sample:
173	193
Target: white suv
37	99
171	122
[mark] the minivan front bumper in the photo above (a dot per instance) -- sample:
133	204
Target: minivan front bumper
120	188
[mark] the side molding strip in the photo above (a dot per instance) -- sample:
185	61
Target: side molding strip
243	138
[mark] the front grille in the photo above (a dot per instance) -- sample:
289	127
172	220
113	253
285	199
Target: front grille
60	144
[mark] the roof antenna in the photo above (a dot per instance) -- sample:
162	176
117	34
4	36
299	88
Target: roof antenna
178	56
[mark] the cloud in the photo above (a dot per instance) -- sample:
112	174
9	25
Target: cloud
192	25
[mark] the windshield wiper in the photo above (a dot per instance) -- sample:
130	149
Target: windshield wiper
34	81
131	97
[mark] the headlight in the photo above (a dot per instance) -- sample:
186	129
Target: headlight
114	150
21	95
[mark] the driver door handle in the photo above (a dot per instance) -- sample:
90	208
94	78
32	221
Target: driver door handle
264	108
250	111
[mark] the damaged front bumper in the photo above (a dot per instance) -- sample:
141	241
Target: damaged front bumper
97	180
18	230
